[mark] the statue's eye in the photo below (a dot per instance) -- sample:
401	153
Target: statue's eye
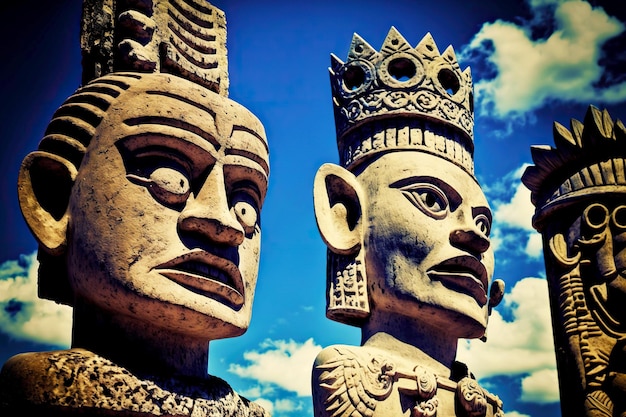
169	185
484	224
429	198
619	218
167	180
246	209
596	217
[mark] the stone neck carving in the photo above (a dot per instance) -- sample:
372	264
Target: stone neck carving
432	348
139	349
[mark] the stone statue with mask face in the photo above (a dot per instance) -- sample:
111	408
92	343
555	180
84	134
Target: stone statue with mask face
145	198
407	228
578	188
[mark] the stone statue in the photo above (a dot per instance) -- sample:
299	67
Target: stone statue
407	229
144	197
579	191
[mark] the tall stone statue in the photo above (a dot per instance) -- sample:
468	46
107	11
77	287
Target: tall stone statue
407	228
145	197
579	191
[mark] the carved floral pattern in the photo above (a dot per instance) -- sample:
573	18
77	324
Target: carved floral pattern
472	397
389	102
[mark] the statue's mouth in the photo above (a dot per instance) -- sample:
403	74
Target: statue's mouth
206	274
464	274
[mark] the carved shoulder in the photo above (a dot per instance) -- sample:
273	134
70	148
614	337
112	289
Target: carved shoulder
348	380
65	382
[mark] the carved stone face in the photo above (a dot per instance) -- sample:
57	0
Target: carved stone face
426	241
165	210
598	236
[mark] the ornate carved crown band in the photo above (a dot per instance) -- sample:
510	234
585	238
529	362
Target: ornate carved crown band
402	98
588	159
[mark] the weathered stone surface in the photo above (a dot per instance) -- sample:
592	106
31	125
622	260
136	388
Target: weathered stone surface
182	37
79	382
579	191
144	197
407	229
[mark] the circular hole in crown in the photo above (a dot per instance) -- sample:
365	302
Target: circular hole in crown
353	77
448	81
402	69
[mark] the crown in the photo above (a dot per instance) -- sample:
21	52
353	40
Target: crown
588	159
415	97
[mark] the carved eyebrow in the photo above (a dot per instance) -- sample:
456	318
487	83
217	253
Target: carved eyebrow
195	157
453	195
253	133
183	99
484	211
248	142
176	123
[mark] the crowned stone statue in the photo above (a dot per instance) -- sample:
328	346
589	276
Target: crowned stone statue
578	188
407	228
145	197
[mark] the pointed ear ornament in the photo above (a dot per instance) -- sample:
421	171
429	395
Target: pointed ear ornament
496	293
45	182
338	202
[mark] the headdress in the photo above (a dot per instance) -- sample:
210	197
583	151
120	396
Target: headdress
186	38
402	98
587	159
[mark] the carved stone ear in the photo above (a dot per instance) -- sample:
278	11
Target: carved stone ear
337	199
44	185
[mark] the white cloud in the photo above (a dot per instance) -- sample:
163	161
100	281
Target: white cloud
517	212
541	387
266	404
531	73
287	405
515	414
513	214
23	315
534	246
286	364
523	346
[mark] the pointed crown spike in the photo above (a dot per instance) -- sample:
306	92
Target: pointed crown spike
406	94
427	46
360	49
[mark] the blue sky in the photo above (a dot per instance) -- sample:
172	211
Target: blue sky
533	62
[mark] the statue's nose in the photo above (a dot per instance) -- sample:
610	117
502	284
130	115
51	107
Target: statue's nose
208	213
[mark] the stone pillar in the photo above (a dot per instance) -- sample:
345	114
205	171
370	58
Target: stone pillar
579	191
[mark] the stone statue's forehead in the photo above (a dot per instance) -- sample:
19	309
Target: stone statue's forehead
176	108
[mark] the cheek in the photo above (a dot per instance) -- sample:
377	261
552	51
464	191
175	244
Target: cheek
619	248
489	262
249	256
